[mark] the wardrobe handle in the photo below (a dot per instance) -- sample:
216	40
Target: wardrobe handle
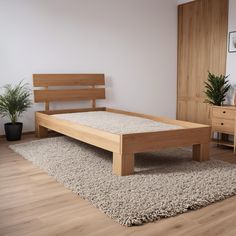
224	111
222	123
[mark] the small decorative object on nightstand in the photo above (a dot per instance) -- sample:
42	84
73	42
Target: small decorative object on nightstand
223	122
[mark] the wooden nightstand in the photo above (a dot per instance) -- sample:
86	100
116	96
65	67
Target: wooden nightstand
223	122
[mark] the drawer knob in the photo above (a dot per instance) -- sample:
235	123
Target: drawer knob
224	112
222	123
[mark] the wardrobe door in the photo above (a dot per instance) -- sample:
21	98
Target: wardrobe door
202	47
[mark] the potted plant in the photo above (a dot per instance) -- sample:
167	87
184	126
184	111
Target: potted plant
216	89
13	102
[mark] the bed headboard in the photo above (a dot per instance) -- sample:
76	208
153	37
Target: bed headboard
86	91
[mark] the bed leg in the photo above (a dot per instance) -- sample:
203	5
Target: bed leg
201	152
123	164
41	132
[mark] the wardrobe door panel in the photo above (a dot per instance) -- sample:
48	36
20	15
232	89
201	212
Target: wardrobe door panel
202	47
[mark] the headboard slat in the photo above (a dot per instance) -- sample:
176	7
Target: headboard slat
68	95
44	80
66	88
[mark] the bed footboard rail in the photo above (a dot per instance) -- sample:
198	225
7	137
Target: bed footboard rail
99	138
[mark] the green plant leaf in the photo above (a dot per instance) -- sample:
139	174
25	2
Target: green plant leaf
14	101
216	89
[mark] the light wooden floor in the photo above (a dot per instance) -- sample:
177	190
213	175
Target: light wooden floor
33	203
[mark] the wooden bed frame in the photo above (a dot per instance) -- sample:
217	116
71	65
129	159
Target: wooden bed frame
123	146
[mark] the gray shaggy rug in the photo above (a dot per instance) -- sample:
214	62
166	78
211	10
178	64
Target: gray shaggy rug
165	183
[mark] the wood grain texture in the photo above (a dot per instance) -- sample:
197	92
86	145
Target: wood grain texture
94	100
68	95
49	94
202	47
223	125
224	112
99	138
44	80
124	146
123	164
34	203
46	104
201	152
223	121
134	143
61	111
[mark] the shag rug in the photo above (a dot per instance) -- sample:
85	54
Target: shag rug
165	183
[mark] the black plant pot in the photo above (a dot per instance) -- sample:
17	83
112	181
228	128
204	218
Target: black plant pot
13	131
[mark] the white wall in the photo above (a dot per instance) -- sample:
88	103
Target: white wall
134	42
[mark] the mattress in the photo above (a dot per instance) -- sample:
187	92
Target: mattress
116	123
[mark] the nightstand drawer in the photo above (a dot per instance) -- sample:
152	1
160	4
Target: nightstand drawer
223	125
221	112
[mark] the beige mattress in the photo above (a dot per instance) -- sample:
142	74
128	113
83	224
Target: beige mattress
116	123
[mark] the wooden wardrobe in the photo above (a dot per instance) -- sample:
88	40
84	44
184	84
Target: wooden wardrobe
202	47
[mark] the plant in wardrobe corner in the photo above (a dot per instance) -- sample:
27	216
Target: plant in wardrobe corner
13	102
216	89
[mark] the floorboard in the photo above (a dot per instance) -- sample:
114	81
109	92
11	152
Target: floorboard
33	203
